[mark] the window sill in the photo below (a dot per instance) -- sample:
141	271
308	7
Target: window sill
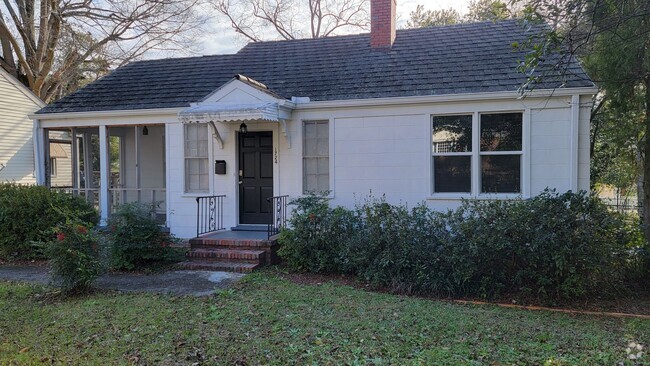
482	196
328	197
449	196
196	195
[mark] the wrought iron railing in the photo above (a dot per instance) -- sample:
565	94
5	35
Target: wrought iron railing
279	211
209	214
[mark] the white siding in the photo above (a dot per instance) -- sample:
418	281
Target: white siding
16	148
386	150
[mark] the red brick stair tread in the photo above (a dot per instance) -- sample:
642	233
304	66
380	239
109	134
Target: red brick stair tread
231	253
219	266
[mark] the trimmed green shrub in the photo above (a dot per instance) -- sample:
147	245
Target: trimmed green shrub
320	237
551	247
557	246
74	256
137	241
28	214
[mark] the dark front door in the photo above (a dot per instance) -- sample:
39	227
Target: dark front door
255	177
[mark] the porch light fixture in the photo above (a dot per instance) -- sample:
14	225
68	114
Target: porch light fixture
243	129
145	131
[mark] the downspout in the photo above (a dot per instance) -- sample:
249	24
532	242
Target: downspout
574	143
37	141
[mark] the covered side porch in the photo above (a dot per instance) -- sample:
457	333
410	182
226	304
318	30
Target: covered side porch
106	165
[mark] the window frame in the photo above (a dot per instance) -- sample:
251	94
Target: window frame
459	153
208	190
476	157
54	170
519	153
330	142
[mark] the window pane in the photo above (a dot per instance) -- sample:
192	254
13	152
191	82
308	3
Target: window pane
323	182
311	130
501	132
452	174
197	171
323	165
452	134
323	130
323	147
204	182
316	156
501	174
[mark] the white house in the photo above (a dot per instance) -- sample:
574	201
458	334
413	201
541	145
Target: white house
16	130
419	115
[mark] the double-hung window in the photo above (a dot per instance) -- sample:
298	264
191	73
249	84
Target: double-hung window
452	154
477	155
315	160
501	151
197	167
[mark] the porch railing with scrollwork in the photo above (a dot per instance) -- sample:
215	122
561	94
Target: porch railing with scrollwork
209	214
279	211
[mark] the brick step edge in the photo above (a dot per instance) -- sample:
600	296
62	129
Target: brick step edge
238	267
231	247
228	243
227	255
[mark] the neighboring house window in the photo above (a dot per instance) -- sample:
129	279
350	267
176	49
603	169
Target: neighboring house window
53	168
499	155
452	154
197	170
501	150
316	161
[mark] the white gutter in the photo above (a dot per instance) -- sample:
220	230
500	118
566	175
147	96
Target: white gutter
115	113
370	102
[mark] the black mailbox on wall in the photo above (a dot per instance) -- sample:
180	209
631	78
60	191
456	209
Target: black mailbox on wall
219	167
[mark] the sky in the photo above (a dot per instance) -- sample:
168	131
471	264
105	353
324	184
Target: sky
221	38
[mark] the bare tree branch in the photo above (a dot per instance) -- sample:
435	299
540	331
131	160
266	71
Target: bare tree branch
291	19
54	41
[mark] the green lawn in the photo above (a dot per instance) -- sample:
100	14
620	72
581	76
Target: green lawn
269	320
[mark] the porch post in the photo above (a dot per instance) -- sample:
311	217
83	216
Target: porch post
39	153
88	169
103	175
46	157
137	162
75	161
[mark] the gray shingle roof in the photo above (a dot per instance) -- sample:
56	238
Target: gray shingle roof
467	58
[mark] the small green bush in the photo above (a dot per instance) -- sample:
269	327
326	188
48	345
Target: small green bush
74	256
137	241
320	237
28	214
551	247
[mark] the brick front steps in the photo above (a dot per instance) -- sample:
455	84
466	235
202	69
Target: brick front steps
225	251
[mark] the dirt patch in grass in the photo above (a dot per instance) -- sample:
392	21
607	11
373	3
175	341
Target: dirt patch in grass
638	303
36	263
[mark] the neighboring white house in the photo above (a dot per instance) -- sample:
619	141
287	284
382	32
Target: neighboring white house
416	115
16	130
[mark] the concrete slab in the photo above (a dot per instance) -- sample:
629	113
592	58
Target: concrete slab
196	283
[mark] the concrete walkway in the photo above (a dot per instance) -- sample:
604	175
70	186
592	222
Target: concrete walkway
197	283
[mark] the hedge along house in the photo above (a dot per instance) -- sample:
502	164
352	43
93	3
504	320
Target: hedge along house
429	114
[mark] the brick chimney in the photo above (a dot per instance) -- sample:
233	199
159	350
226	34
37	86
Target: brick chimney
382	23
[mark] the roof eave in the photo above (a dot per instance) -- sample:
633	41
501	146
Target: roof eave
368	102
461	97
109	113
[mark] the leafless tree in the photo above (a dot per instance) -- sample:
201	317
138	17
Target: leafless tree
47	43
291	19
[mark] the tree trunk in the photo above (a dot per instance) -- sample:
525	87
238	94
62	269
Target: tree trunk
646	164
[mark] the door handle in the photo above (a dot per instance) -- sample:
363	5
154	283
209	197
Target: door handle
241	181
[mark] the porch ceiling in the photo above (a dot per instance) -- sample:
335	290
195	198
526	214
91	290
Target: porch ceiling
267	111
